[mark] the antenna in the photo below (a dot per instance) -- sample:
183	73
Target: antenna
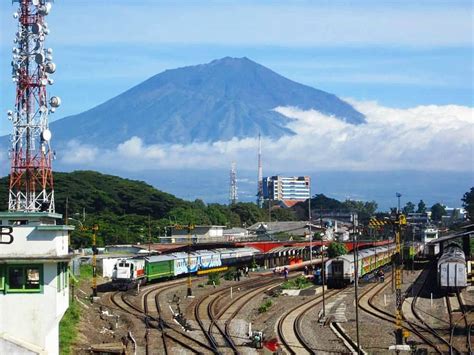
260	174
233	184
31	177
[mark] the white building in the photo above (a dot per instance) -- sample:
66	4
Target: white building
200	234
281	188
34	290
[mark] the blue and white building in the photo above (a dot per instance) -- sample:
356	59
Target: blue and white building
283	188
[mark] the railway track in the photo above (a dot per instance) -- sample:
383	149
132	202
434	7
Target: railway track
289	326
205	311
151	315
420	327
436	333
367	304
457	315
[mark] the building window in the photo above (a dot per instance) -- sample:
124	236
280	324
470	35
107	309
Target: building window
2	277
24	278
62	276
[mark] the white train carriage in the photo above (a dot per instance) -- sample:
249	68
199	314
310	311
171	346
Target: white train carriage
340	271
181	261
452	270
208	259
237	256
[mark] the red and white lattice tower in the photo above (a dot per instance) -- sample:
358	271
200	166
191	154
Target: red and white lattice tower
31	178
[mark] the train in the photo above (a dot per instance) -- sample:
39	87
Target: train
340	270
128	272
452	271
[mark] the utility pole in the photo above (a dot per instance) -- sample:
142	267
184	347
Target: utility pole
149	235
95	228
189	229
356	278
310	231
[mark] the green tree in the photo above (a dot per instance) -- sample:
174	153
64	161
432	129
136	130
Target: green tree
468	203
249	213
335	249
409	208
421	207
364	209
437	212
283	214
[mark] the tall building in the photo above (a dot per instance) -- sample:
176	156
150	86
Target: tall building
281	188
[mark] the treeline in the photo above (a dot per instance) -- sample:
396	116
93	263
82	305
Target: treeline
130	211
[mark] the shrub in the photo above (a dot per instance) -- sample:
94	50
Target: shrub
299	283
265	306
229	274
214	278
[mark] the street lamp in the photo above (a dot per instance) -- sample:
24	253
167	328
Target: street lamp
94	229
356	276
398	194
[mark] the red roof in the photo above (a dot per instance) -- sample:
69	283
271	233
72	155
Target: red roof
290	203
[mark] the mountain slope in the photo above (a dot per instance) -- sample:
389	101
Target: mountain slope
230	97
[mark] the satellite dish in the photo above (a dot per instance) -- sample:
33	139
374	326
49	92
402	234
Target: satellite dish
36	28
44	81
50	81
15	15
44	10
49	51
55	101
39	58
50	68
46	135
36	2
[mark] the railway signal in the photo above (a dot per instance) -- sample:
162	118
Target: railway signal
399	222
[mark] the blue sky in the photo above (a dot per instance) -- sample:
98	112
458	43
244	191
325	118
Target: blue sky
398	53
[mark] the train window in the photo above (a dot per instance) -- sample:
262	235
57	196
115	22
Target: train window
24	278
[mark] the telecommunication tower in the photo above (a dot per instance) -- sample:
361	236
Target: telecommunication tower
31	178
233	184
260	174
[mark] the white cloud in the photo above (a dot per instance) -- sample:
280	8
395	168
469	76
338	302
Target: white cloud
419	138
79	154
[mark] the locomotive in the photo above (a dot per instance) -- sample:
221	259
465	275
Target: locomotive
452	273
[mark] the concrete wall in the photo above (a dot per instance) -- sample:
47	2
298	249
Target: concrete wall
30	241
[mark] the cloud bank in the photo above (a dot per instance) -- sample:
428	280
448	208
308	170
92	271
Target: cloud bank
421	138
